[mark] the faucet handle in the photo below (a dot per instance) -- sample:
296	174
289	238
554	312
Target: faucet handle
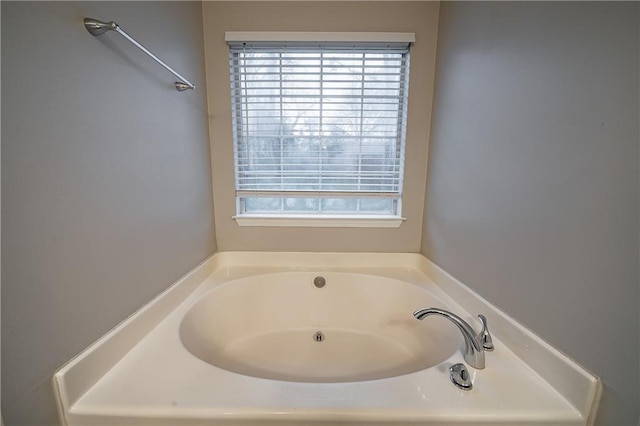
485	336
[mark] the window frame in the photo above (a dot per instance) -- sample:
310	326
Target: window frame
326	219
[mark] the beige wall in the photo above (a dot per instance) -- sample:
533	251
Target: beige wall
532	195
106	180
418	17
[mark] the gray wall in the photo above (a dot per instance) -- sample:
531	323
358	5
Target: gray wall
532	193
106	180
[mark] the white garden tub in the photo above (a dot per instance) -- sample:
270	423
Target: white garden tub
248	339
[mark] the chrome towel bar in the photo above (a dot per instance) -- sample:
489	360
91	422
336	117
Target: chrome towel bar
97	28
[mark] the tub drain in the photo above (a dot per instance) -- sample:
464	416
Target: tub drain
318	336
319	281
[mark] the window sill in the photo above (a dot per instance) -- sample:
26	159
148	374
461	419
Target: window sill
320	221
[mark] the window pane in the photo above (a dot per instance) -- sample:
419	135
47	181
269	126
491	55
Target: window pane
305	205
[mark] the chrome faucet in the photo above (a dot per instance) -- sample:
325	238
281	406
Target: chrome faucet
474	344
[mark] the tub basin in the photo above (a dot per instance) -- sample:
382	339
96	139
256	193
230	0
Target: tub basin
282	327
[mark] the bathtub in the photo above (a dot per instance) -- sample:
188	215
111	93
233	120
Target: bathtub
317	339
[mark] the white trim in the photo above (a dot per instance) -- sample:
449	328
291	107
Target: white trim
293	36
319	221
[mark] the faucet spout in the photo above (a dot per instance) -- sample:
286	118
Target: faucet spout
473	350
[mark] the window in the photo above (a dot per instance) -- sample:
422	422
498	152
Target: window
319	128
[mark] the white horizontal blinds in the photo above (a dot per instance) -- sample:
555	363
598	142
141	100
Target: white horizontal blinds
325	122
